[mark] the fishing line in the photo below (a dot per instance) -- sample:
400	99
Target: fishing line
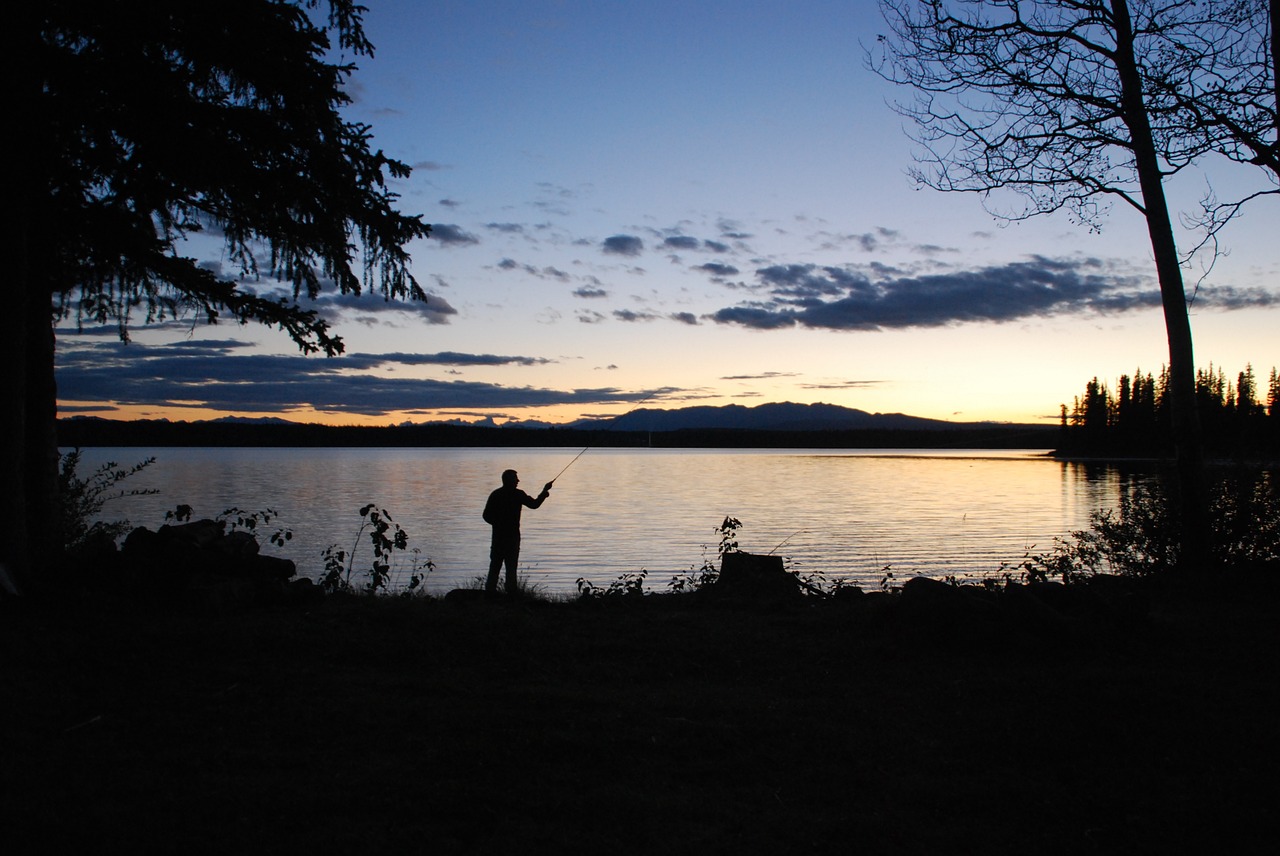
784	541
605	428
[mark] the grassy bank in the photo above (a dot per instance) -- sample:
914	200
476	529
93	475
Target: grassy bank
660	726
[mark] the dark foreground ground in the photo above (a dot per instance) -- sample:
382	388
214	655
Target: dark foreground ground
656	727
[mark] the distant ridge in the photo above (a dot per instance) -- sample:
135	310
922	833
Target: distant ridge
784	416
783	425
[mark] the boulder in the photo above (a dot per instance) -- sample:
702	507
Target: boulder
199	533
201	559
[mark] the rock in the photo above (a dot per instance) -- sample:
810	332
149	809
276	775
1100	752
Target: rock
200	533
847	594
945	610
928	590
304	590
210	568
465	596
239	544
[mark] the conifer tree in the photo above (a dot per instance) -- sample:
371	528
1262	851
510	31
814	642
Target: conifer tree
138	125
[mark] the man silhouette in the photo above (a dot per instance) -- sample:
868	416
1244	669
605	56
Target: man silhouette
502	512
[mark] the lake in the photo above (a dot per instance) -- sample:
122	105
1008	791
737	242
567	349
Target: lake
849	514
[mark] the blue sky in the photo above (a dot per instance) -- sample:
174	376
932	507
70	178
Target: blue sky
689	203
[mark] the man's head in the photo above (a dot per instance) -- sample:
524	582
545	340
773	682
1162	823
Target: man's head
509	478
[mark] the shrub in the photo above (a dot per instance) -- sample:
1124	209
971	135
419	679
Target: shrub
386	538
1140	536
80	500
700	578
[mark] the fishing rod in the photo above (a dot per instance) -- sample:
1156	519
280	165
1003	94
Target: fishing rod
784	541
605	428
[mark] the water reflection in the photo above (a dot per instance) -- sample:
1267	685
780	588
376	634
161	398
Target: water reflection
847	514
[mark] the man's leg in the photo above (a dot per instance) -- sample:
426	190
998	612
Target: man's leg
495	564
512	559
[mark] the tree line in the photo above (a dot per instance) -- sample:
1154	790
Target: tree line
89	432
1240	415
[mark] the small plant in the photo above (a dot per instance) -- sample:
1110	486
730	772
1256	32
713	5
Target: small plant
709	572
386	538
82	499
237	519
630	584
418	571
249	520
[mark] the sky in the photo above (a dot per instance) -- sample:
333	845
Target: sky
671	204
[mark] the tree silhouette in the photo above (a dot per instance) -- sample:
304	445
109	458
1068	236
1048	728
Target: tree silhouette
141	125
1227	96
1238	423
1068	105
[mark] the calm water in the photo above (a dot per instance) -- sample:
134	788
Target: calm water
848	514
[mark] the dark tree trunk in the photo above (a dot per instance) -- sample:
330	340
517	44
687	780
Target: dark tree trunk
14	555
29	522
24	89
1188	442
44	522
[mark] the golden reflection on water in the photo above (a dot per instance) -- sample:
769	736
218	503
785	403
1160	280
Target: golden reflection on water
846	514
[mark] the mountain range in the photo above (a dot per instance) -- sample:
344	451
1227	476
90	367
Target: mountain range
764	425
784	416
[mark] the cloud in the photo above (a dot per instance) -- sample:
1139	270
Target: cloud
590	291
218	374
434	310
623	245
547	272
717	269
451	234
452	358
687	242
685	318
843	384
631	315
842	298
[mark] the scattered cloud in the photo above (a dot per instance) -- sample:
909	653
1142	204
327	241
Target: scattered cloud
632	315
434	310
451	234
691	244
844	298
220	374
762	376
717	269
842	384
623	245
